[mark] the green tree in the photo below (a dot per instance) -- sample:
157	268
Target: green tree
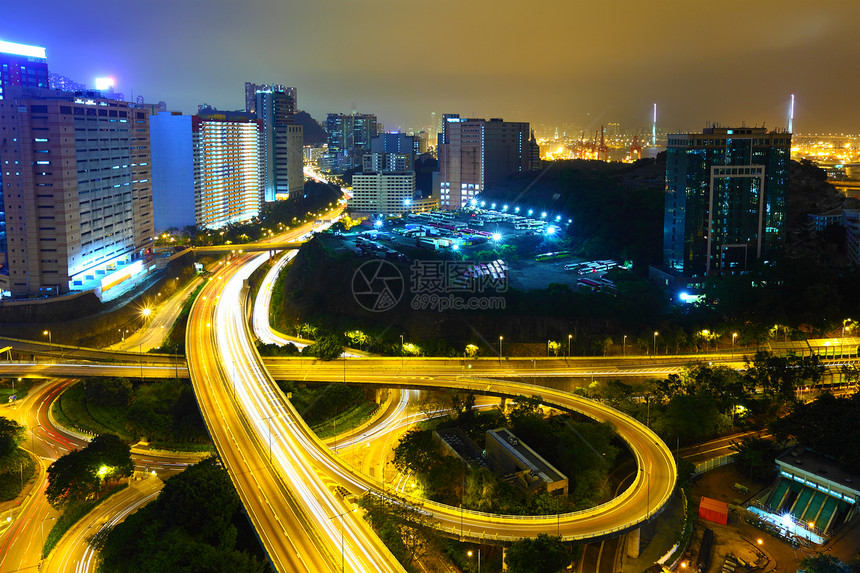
822	563
11	435
755	457
416	451
71	477
110	392
542	554
326	347
76	475
404	528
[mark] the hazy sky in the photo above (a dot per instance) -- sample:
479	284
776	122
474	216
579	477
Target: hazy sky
542	61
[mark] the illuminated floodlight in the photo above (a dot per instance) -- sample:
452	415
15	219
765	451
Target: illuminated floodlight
530	212
22	50
455	247
504	207
558	217
493	206
786	520
516	209
474	202
378	224
497	237
569	221
104	84
543	215
483	203
550	231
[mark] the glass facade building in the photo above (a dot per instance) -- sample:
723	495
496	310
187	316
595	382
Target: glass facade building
725	200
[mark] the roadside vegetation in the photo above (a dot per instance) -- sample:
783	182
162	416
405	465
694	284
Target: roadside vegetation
331	409
16	466
196	524
162	411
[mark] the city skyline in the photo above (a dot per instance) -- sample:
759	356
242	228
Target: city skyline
558	63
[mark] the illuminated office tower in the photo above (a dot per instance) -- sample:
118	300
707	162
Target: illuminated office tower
206	171
282	156
349	138
22	65
474	153
385	186
76	191
725	200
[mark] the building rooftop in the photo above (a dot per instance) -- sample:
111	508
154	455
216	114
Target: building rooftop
811	462
527	456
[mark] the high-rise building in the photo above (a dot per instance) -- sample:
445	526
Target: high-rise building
474	153
386	185
206	171
349	139
58	82
395	142
76	199
22	65
725	200
282	155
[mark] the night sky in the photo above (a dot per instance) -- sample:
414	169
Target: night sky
544	61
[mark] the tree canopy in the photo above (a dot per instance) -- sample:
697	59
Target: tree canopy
542	554
78	474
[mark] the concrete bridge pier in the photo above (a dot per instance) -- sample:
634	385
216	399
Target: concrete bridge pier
632	539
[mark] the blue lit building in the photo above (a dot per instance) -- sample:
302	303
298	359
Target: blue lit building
725	204
22	65
80	216
282	153
349	138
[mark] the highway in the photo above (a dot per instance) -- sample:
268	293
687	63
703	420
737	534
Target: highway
265	444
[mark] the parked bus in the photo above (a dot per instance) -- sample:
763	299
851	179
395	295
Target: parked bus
589	283
552	256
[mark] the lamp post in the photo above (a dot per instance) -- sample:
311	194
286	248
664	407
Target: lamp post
342	558
470	553
51	342
401	351
624	346
734	336
42	533
501	338
569	339
655	342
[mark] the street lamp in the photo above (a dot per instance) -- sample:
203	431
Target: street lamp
470	553
655	342
734	336
624	346
342	559
569	338
401	351
42	532
51	342
501	338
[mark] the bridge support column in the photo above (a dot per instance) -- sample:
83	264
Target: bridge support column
504	559
633	544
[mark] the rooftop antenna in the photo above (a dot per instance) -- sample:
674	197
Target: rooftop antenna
791	115
654	128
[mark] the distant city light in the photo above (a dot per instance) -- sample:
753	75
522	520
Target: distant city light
22	50
104	84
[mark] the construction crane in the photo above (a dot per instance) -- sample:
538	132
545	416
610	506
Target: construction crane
636	148
602	149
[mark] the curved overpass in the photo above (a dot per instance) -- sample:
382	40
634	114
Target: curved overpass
227	355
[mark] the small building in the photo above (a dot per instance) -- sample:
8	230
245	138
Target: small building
511	456
812	497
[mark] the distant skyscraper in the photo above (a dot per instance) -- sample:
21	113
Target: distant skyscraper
725	199
82	213
59	82
206	171
395	143
282	141
348	140
22	65
474	153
